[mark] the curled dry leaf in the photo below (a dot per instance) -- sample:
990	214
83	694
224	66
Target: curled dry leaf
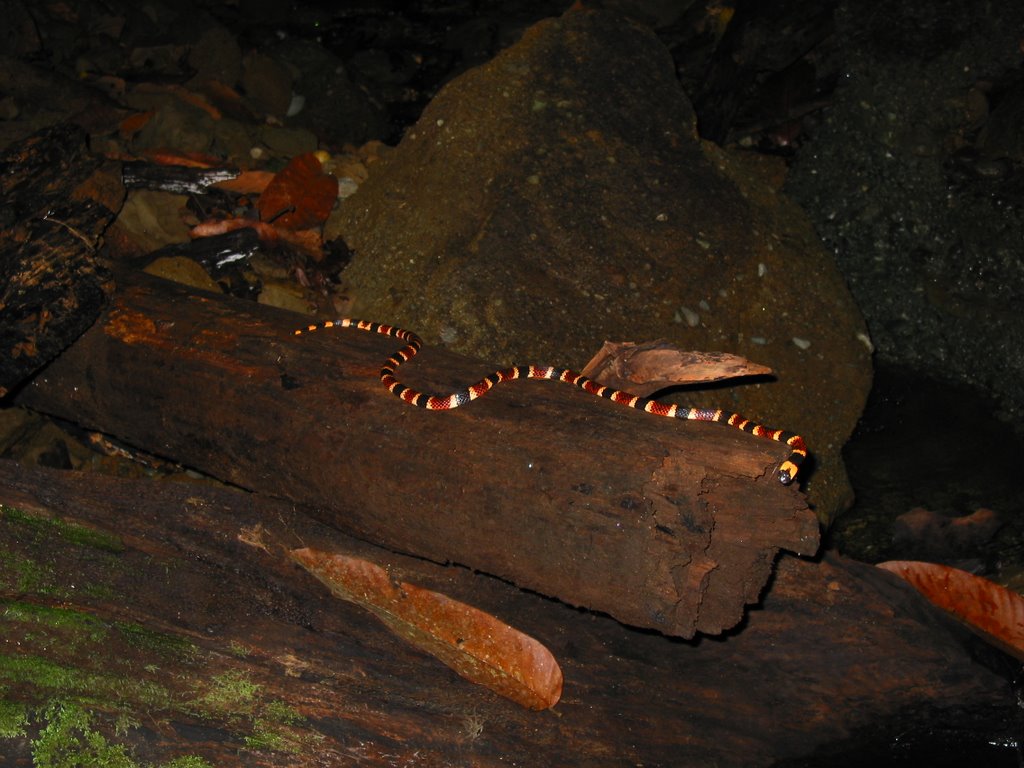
988	609
647	367
300	196
478	646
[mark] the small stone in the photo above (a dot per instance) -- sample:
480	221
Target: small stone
183	270
687	314
267	83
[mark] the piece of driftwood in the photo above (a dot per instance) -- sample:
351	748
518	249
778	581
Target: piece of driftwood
56	199
187	588
663	524
178	179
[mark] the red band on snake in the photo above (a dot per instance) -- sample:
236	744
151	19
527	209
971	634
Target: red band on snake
787	470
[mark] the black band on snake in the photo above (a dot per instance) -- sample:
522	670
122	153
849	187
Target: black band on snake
787	470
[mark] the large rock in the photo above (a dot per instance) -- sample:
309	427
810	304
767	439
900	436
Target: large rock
917	188
558	196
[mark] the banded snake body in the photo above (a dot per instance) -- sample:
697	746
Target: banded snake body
787	470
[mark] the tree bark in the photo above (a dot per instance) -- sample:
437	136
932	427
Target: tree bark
662	524
172	598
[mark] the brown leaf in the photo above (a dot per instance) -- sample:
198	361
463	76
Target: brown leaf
647	367
134	123
162	156
478	646
300	196
227	100
988	609
247	182
197	100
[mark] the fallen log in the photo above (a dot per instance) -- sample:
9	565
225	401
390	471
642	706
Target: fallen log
56	199
662	524
178	606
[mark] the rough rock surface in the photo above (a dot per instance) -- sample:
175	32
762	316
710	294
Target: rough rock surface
558	196
912	181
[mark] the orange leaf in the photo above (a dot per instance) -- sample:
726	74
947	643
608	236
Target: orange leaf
227	100
191	97
162	156
478	646
643	369
246	183
196	100
135	123
300	196
988	609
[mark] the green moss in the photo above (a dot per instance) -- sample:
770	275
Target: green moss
275	725
13	718
48	679
85	663
56	617
168	647
67	739
235	648
64	669
73	533
21	574
231	700
267	739
73	627
230	694
189	761
281	712
49	574
44	675
280	728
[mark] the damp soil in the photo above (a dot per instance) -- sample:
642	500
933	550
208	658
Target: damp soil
901	743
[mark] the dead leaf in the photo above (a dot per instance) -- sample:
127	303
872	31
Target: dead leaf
227	100
478	646
645	368
162	156
300	196
186	95
988	609
134	123
246	183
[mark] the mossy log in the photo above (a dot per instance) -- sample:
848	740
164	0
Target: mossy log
171	613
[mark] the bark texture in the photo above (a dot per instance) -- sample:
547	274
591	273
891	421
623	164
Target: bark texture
177	604
662	524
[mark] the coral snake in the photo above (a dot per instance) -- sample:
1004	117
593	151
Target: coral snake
787	470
